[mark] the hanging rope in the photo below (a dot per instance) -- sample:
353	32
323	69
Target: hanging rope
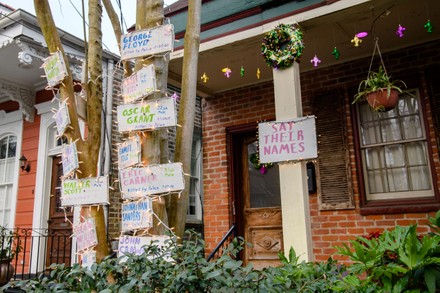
376	47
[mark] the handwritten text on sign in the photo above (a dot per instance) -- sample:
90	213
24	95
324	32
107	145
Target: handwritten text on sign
147	42
287	140
129	152
55	68
70	159
84	191
136	245
137	215
147	115
85	234
139	85
138	182
62	118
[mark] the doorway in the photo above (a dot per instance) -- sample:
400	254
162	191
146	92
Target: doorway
255	199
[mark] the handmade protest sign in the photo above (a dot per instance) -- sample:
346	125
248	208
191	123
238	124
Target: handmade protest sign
69	158
92	190
138	182
287	140
55	68
140	84
147	42
88	258
137	215
137	244
129	152
85	234
147	115
62	118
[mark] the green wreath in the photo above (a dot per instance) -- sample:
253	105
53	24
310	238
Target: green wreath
282	46
255	160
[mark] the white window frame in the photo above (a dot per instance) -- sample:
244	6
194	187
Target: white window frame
197	175
402	194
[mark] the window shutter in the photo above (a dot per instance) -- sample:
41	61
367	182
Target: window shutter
333	164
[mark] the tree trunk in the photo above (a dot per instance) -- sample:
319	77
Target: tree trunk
179	206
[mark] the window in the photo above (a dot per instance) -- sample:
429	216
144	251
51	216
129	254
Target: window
394	151
194	213
8	150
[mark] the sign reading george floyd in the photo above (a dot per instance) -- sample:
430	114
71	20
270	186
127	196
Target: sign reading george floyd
147	42
87	191
140	84
292	140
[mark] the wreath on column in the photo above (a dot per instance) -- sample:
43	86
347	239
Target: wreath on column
282	46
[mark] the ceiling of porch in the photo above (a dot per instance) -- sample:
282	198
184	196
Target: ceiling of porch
378	17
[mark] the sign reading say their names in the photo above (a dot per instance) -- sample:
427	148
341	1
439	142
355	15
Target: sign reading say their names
92	190
137	215
156	179
147	115
287	140
62	118
85	234
70	159
55	68
129	152
140	84
147	42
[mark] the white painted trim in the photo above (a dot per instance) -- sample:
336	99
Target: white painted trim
46	107
13	123
260	30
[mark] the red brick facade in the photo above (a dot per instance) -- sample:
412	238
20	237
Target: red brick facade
256	103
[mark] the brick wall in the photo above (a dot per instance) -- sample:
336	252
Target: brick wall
256	103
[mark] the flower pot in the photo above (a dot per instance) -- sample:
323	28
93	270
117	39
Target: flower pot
6	271
380	101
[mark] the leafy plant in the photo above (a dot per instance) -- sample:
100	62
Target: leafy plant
9	244
376	81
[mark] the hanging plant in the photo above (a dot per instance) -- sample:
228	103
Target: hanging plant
255	160
282	46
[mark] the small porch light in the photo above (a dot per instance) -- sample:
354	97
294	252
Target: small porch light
24	165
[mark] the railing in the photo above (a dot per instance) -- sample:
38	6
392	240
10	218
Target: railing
39	248
221	246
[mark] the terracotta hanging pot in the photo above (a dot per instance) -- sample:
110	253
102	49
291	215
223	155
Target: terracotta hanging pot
381	102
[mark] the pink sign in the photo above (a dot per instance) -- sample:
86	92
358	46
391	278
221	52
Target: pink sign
85	234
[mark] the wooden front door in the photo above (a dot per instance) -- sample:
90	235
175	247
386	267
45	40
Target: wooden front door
259	204
59	242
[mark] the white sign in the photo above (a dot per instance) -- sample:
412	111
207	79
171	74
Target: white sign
55	68
140	84
85	234
137	215
147	42
287	140
92	190
129	152
70	159
147	115
135	244
88	258
138	182
62	118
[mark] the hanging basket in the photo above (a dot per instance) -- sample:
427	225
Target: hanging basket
381	102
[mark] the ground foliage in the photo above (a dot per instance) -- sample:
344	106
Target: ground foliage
398	260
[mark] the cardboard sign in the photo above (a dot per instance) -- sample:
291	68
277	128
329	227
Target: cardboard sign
85	234
62	118
88	258
147	42
129	152
287	140
147	115
70	159
55	68
139	85
137	215
93	190
135	244
138	182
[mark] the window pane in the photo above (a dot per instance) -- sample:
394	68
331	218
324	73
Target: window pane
370	133
390	130
374	158
394	156
397	179
408	104
377	182
420	178
416	153
411	127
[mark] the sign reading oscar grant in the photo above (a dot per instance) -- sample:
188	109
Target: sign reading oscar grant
139	182
147	42
84	191
287	140
147	115
140	84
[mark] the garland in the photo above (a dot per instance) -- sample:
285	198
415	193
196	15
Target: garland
282	46
255	160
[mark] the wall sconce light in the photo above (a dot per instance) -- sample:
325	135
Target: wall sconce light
24	165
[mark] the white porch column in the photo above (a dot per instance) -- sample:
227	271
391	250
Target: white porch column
293	177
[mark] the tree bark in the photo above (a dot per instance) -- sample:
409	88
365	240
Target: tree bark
178	206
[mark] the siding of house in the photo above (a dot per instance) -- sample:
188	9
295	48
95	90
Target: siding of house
256	103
